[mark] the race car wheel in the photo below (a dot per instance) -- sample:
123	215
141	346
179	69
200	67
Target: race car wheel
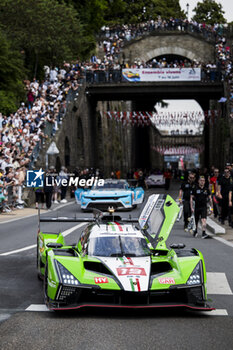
45	285
38	262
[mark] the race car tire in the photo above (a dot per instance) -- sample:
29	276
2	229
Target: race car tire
45	284
86	210
38	262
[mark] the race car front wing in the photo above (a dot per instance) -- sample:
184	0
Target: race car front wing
74	297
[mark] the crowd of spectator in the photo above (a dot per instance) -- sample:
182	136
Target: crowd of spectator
24	132
131	31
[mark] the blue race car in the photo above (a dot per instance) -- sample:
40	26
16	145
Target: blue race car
114	193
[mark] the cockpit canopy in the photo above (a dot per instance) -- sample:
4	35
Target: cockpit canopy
114	246
111	184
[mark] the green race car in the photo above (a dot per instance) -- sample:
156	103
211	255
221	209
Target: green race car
122	263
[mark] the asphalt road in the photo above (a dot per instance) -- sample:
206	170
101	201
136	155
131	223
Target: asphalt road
20	289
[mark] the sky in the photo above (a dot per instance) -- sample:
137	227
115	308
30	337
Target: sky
185	105
227	6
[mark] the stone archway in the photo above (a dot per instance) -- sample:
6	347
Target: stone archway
170	50
181	44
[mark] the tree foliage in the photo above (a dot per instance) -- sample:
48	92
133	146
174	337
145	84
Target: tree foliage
136	11
49	32
91	13
11	76
95	13
209	12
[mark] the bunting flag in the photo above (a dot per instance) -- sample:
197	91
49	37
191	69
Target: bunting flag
177	150
165	119
133	118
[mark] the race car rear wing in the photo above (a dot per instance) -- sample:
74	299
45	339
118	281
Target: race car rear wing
105	218
98	217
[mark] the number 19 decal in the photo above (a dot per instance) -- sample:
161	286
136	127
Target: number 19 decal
131	271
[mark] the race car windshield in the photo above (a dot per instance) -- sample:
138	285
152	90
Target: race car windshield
110	186
118	246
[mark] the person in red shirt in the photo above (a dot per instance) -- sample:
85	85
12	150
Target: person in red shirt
118	174
168	176
135	175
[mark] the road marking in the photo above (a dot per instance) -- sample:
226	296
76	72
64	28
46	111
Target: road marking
217	284
31	215
222	240
37	307
217	312
4	317
65	233
18	250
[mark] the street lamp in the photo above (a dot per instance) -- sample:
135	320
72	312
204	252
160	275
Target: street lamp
187	6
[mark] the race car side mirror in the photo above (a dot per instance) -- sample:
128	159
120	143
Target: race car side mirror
177	246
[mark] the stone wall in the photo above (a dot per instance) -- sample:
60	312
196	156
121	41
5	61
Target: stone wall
183	44
220	145
114	146
73	139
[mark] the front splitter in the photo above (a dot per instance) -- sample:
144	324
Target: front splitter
152	306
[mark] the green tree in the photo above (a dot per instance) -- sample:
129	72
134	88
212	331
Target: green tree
136	11
210	12
11	76
91	13
49	32
95	13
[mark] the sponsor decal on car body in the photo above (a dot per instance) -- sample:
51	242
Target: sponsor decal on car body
101	280
166	280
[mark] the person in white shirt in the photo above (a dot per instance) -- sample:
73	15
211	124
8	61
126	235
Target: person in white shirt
53	75
5	137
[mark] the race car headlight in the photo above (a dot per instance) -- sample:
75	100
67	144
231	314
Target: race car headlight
65	276
195	277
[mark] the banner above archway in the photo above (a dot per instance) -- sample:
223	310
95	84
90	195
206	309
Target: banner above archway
161	74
